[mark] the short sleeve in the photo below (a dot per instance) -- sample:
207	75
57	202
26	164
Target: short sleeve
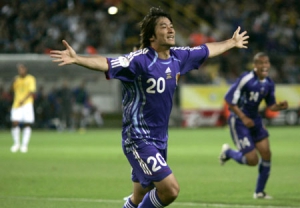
270	98
32	84
121	68
191	58
233	94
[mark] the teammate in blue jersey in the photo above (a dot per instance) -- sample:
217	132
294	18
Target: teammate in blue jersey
247	130
149	78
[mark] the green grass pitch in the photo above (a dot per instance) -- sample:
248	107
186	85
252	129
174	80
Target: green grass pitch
72	170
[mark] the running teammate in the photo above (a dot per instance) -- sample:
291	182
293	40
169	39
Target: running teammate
247	130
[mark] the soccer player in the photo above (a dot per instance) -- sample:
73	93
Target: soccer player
149	77
247	130
23	87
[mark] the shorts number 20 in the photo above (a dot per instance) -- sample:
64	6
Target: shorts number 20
158	161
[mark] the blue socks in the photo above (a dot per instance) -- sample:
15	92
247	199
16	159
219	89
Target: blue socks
263	175
151	200
129	204
236	155
263	168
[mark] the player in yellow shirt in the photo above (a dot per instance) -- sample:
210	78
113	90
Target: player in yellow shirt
23	87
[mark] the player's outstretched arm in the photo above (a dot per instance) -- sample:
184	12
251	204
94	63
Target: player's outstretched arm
238	40
279	106
69	56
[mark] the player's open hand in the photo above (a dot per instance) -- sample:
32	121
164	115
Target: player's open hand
240	39
64	57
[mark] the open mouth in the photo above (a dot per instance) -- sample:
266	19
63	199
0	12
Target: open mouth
171	37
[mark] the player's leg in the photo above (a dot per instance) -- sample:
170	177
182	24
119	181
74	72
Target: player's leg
164	193
167	189
264	168
28	118
15	129
150	167
137	196
242	138
129	196
260	138
26	134
166	186
15	132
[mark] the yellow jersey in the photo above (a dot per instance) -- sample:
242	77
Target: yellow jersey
22	86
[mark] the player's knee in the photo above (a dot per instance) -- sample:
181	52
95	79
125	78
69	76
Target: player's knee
252	163
266	155
252	160
169	195
136	199
172	193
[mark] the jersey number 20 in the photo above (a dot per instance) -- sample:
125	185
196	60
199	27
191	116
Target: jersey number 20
158	85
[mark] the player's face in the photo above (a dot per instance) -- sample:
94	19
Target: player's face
164	33
22	70
262	66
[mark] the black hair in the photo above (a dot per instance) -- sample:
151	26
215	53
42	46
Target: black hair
258	55
148	25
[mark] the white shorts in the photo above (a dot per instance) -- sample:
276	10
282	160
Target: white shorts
24	113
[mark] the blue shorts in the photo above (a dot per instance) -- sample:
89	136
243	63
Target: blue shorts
245	138
148	164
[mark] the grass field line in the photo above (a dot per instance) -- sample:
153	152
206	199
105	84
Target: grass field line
185	204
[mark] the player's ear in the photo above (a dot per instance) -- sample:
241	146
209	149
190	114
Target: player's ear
152	38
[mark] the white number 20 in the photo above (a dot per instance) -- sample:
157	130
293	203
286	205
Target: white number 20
156	86
157	159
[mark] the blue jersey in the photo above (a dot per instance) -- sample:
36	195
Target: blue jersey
248	92
148	86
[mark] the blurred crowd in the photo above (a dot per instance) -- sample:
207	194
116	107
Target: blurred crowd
32	26
63	108
273	27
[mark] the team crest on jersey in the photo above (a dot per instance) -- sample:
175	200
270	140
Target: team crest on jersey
124	62
168	73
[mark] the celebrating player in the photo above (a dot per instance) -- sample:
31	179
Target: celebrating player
149	78
24	87
246	127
